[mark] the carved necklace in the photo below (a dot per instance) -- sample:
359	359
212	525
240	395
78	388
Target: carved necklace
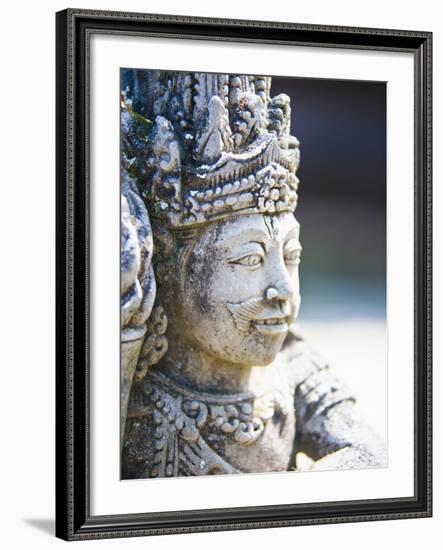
231	414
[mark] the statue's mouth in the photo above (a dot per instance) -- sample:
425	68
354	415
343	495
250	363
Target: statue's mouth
254	314
272	325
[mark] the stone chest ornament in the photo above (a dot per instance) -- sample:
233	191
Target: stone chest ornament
216	377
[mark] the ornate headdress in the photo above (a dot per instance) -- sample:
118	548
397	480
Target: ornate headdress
215	145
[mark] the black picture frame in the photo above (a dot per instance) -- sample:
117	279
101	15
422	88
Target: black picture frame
74	28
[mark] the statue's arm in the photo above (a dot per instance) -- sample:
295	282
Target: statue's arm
330	429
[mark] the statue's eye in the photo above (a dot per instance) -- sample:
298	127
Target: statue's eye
251	260
292	256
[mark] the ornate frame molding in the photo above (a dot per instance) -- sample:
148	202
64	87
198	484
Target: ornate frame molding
74	28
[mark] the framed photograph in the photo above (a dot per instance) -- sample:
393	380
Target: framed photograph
243	274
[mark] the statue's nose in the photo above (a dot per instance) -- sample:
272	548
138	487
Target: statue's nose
279	299
271	294
283	292
281	284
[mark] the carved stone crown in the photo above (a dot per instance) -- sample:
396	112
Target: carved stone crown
219	145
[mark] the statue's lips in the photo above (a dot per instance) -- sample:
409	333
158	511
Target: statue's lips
272	325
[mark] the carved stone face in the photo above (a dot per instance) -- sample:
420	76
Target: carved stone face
240	288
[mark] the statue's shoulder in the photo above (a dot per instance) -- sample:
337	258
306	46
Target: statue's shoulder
300	359
315	385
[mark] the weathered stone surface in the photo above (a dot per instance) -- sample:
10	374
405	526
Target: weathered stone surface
220	379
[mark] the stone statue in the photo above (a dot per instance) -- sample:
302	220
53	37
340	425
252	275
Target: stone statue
216	376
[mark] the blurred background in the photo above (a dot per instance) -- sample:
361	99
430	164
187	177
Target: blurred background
341	126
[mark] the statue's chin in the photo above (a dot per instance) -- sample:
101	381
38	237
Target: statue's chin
271	339
261	354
